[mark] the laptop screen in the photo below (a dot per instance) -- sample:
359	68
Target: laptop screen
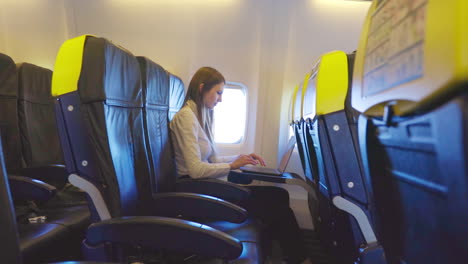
287	155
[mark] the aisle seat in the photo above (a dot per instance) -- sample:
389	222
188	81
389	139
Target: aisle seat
413	127
346	213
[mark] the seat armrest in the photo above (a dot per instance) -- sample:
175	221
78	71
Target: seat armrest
197	206
360	217
221	189
165	233
25	188
54	174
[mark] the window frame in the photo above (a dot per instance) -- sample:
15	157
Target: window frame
243	88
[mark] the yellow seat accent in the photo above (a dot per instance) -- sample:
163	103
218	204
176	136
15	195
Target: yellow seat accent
462	39
412	54
68	66
331	82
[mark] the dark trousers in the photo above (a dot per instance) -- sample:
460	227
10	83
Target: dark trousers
270	205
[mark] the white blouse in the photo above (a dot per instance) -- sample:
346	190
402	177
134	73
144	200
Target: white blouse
193	152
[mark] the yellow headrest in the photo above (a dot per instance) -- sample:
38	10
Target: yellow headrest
331	82
67	67
412	54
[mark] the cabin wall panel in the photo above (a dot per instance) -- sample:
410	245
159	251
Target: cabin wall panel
274	44
182	38
33	30
3	30
266	44
317	27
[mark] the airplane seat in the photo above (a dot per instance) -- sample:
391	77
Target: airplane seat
176	95
99	107
10	252
36	119
42	232
9	120
41	152
9	243
170	94
413	127
157	93
346	212
42	156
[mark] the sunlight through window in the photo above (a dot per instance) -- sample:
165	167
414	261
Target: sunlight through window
230	115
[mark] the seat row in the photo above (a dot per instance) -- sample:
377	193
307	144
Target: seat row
382	138
51	216
112	111
12	252
324	125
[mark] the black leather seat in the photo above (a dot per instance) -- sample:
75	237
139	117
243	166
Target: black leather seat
41	151
176	95
11	252
413	130
61	228
330	140
158	91
40	147
100	112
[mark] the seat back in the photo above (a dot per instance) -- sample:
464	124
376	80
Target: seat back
330	132
36	118
156	91
28	123
176	95
412	131
100	118
9	243
8	113
337	130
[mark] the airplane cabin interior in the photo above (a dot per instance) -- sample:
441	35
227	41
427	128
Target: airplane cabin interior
358	105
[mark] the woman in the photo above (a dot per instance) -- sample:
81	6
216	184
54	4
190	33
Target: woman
196	158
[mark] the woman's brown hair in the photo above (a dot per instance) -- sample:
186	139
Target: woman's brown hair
209	77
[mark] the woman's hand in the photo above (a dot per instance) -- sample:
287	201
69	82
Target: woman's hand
258	158
242	160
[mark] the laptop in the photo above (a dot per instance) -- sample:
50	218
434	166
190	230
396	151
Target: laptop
282	166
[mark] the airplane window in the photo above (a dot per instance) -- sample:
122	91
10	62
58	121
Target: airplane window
230	115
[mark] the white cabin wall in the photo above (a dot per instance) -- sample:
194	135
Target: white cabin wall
32	30
185	35
266	44
317	27
275	26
